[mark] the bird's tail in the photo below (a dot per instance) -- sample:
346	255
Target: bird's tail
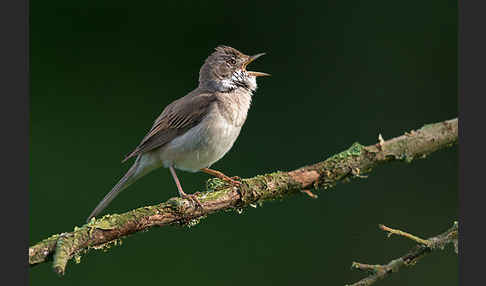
131	176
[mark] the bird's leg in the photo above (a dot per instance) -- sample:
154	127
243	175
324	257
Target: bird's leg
181	192
221	176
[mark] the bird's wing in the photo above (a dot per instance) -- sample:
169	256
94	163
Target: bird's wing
176	119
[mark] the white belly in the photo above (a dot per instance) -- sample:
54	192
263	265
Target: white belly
200	147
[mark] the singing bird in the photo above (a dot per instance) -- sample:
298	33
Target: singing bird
195	131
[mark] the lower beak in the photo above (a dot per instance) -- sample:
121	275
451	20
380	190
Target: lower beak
253	73
251	59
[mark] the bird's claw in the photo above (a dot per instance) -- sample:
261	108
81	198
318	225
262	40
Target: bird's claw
232	180
194	199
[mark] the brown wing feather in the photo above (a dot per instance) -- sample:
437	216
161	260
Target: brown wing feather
176	119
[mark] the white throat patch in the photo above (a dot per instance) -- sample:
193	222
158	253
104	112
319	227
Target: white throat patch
239	77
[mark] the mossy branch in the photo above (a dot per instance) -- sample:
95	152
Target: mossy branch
425	246
349	164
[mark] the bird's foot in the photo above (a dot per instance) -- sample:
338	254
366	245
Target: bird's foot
219	175
236	178
232	180
194	199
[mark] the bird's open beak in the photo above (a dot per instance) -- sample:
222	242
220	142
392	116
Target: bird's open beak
253	73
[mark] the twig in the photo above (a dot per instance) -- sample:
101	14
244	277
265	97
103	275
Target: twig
310	194
343	167
405	234
378	272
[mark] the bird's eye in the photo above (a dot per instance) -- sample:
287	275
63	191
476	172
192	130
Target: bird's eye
232	61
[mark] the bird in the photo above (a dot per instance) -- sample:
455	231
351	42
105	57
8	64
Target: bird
198	129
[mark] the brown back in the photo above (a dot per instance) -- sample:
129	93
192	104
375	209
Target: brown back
176	119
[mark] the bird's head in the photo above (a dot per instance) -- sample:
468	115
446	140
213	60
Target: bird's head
225	70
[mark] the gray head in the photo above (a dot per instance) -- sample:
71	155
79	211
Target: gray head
225	70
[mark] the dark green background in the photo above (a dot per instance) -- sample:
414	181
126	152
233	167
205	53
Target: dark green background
342	71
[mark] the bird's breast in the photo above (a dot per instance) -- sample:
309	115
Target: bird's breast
234	106
202	145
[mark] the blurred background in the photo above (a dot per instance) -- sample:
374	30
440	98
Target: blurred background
342	71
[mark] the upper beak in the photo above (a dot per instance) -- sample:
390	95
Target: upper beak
253	73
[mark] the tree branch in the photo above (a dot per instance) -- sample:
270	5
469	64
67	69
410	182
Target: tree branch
349	164
424	247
